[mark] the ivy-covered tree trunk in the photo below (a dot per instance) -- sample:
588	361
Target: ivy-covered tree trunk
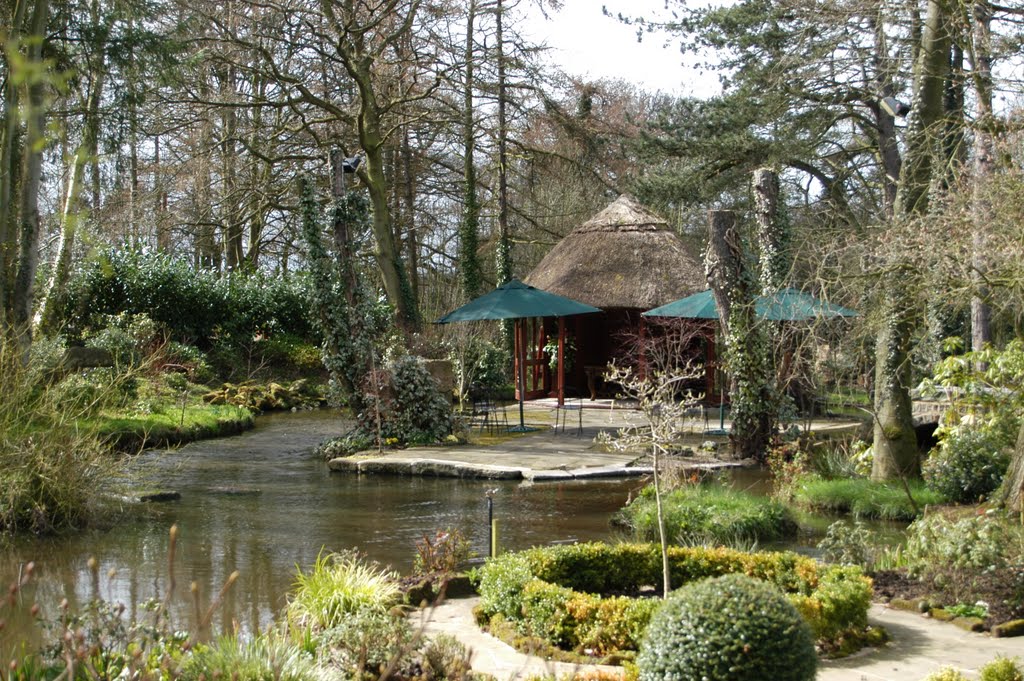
747	348
895	442
773	238
338	299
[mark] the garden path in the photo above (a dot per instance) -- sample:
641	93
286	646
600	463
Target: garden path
919	647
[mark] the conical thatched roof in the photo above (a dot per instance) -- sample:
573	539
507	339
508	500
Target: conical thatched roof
623	257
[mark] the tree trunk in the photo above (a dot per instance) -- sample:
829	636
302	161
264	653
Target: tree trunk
895	442
35	131
747	348
73	208
888	147
984	170
1011	493
412	238
10	165
772	232
504	252
469	232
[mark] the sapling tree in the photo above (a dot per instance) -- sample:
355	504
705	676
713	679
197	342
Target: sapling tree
663	399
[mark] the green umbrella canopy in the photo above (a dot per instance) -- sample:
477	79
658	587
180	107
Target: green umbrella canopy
787	305
698	306
516	300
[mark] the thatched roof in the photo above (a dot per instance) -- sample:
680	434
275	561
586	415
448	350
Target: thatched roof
623	257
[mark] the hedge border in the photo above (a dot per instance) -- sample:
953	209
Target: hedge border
553	592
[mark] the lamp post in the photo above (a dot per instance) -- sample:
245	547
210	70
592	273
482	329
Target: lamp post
492	548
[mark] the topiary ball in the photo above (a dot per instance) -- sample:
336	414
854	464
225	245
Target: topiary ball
730	628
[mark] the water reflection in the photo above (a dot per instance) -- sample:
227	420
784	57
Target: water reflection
260	503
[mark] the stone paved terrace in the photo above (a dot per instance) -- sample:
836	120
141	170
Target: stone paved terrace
550	453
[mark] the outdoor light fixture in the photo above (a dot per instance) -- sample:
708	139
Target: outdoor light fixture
894	107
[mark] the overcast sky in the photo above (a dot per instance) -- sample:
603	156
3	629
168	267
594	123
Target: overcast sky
585	42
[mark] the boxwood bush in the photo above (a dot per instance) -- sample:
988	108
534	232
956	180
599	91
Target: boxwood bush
729	628
555	593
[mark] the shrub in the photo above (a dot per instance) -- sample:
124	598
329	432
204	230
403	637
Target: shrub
337	587
847	543
443	553
730	628
446	658
983	543
551	592
194	306
1002	669
947	674
54	470
709	514
423	413
863	498
261	659
967	466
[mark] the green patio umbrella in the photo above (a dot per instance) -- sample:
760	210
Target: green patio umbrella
516	300
698	306
791	305
786	305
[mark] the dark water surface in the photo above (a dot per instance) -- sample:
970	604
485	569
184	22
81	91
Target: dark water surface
261	503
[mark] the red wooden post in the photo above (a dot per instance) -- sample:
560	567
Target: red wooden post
561	361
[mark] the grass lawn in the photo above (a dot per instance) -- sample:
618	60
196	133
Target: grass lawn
170	426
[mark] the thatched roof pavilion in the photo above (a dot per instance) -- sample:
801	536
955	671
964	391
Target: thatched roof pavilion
624	260
624	257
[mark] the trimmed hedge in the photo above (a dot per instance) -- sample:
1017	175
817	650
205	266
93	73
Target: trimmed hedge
553	592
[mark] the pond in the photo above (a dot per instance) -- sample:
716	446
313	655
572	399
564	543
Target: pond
262	504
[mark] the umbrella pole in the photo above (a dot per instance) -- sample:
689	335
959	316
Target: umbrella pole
521	361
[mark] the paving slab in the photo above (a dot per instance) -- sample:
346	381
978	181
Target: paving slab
918	647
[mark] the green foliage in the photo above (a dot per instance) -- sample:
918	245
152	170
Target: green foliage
947	674
988	398
553	592
729	628
264	658
847	543
337	587
446	659
477	361
964	610
984	543
967	466
838	605
194	307
863	498
365	640
129	338
709	514
421	412
53	466
256	397
346	445
351	326
1002	669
